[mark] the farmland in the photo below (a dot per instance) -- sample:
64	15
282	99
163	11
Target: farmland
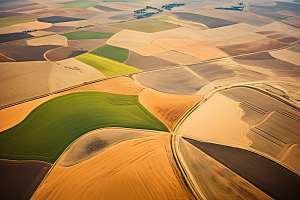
104	65
78	4
112	53
8	21
84	35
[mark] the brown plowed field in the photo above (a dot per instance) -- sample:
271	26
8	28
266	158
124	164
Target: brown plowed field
90	44
11	116
20	179
198	49
259	56
146	62
62	53
136	169
288	39
13	5
252	47
168	108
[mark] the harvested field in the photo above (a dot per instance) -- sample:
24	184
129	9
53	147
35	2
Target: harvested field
120	85
149	50
230	129
58	19
71	72
13	36
252	47
198	49
170	108
11	29
121	17
146	25
250	37
254	21
104	65
145	169
211	22
49	40
105	8
95	142
20	179
21	80
182	23
21	52
104	29
4	58
14	5
84	35
270	177
59	28
89	44
287	55
179	58
78	4
217	179
111	52
259	56
34	25
29	9
40	33
8	21
179	81
80	113
65	12
62	53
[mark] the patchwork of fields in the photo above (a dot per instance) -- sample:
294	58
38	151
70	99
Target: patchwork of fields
188	102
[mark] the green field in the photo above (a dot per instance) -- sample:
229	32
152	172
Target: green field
50	128
8	21
79	4
147	25
112	52
130	1
104	65
167	19
85	35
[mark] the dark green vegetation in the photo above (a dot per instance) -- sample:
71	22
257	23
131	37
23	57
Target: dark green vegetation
211	22
144	13
270	177
172	5
79	4
50	128
13	36
106	9
58	19
8	21
20	179
112	52
237	8
84	35
147	25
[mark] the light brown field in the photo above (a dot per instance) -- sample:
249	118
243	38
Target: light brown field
287	55
11	116
49	40
179	58
225	127
292	157
214	180
149	50
136	169
236	40
4	58
89	44
198	49
34	25
67	12
11	29
168	108
40	33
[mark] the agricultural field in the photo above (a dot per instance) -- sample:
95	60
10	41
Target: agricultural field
149	99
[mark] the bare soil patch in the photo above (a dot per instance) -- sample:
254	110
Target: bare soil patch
49	40
288	39
59	28
142	169
21	52
13	36
170	108
179	58
146	62
149	50
11	29
255	21
287	55
62	53
259	56
14	5
252	47
89	44
20	179
34	25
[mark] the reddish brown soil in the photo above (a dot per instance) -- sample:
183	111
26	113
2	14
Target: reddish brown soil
20	179
146	62
288	39
259	56
266	32
252	47
277	35
62	53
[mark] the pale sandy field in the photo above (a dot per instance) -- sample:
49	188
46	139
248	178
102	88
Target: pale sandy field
213	179
179	58
49	40
168	108
292	157
95	142
217	120
11	29
34	25
40	33
149	50
236	40
136	169
11	116
287	55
